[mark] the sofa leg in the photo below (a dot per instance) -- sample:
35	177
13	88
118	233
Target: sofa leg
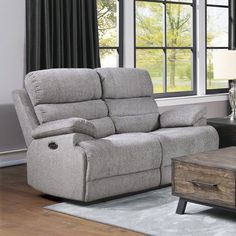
181	206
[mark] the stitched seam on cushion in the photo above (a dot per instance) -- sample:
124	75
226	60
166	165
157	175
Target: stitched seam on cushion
36	87
162	156
87	100
151	113
42	114
69	129
202	118
136	172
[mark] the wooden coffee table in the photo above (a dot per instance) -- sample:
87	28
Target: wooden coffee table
206	178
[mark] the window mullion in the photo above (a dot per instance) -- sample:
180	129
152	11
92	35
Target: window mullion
165	52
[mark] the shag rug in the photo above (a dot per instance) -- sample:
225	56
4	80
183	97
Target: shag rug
153	213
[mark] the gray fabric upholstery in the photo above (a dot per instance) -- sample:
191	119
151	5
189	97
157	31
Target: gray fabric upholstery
165	175
138	123
131	107
125	83
201	122
122	184
121	154
59	172
63	86
190	115
93	109
98	128
180	141
90	161
69	93
128	95
133	115
26	115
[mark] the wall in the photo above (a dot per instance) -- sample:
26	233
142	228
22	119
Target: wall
12	44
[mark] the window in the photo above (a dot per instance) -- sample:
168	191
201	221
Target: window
165	44
110	29
218	58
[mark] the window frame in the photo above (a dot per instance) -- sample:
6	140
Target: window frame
120	47
164	48
220	90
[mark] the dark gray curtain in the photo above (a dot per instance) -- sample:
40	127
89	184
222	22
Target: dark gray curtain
61	34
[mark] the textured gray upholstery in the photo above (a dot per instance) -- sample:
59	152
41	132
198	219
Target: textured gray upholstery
184	116
105	124
181	141
128	95
122	184
59	172
121	154
26	115
98	128
60	94
94	109
125	83
63	86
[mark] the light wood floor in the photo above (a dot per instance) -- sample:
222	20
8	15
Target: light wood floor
22	213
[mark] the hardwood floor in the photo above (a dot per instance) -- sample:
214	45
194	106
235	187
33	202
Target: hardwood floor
22	213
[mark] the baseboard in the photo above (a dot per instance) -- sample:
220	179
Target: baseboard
13	157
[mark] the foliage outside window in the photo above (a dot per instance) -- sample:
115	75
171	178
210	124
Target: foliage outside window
219	58
109	32
165	44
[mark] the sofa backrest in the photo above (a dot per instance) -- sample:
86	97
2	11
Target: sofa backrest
64	93
128	95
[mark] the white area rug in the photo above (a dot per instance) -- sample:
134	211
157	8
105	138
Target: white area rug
153	213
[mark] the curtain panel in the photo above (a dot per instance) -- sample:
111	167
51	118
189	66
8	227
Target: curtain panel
61	34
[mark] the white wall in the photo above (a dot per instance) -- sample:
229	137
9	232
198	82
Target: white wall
12	44
12	64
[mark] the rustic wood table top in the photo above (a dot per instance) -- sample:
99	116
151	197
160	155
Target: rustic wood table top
224	158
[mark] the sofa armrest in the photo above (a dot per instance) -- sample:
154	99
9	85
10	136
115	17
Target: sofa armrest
65	126
194	115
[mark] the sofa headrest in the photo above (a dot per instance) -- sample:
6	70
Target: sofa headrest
125	82
63	86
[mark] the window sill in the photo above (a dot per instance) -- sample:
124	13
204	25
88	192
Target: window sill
175	101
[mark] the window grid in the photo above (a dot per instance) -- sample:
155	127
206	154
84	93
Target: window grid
120	47
220	90
165	48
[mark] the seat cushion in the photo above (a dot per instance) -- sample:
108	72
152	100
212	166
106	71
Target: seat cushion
128	96
178	142
121	154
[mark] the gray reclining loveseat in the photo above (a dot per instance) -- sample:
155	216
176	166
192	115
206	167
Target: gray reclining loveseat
93	134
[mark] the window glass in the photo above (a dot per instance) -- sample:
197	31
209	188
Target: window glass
179	25
218	2
165	45
109	58
149	24
153	62
219	60
179	70
109	32
217	27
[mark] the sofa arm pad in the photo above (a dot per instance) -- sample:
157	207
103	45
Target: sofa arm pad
93	128
194	115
